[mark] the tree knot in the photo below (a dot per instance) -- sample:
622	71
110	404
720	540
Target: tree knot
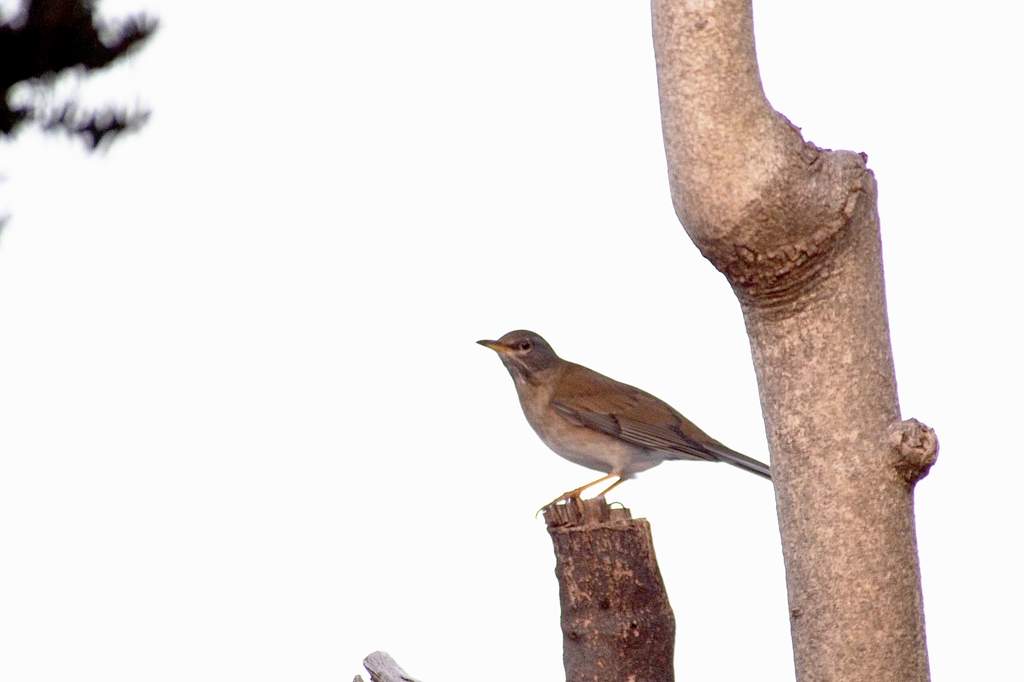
788	238
916	448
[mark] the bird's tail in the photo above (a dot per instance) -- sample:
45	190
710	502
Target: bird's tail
738	459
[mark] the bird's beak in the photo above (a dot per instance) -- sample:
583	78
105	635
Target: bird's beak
496	346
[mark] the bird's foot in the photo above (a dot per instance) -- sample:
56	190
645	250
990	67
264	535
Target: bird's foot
564	497
575	493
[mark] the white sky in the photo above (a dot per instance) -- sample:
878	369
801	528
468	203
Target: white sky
246	433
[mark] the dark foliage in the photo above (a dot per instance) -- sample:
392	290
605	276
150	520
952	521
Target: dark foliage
47	37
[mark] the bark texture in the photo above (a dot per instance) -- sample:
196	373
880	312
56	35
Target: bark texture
795	230
617	623
383	668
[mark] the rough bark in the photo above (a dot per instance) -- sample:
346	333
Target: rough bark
795	230
617	623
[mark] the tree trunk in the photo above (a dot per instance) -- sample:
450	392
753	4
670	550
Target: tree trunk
794	228
617	623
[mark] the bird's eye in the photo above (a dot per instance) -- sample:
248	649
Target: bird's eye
525	346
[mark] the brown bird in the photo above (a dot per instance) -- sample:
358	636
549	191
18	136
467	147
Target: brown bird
598	422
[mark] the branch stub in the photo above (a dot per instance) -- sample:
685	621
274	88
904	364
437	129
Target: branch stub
916	448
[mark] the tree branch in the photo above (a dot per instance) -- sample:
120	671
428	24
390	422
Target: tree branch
383	668
617	623
765	207
50	37
794	228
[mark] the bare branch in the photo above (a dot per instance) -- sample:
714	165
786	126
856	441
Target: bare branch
383	668
795	230
764	207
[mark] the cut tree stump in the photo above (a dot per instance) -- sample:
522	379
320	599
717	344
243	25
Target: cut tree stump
617	623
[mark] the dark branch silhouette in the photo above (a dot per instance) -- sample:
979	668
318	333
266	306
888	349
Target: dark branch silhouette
48	37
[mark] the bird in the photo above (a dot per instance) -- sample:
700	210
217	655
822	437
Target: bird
601	423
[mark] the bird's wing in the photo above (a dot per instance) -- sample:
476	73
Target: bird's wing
627	413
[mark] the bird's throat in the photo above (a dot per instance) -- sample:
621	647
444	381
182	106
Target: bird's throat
520	375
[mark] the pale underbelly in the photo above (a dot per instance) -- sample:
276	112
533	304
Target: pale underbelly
597	451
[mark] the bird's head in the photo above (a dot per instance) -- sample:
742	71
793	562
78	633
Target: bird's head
524	353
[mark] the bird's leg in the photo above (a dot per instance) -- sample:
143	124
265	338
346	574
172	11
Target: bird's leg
609	488
575	493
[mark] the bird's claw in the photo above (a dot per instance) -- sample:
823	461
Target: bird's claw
564	497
